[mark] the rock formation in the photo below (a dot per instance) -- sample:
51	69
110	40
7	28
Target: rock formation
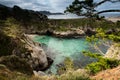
35	56
69	34
113	52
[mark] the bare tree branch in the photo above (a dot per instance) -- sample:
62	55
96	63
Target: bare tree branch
101	3
104	11
113	1
88	7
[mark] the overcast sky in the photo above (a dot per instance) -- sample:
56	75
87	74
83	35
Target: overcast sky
51	5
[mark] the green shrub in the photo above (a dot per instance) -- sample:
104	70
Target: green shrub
83	23
102	64
6	45
10	37
115	38
6	74
118	24
93	55
68	65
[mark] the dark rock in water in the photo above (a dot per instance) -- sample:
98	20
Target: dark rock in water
110	31
50	61
44	46
39	67
82	60
49	32
90	32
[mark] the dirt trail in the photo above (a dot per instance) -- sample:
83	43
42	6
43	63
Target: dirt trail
110	74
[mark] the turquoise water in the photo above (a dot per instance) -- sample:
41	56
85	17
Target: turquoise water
58	49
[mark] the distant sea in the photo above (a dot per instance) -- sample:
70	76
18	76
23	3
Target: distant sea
73	16
111	15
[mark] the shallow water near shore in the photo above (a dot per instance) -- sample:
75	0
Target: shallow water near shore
58	49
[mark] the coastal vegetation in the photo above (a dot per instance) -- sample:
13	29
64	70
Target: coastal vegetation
12	33
82	23
16	61
101	64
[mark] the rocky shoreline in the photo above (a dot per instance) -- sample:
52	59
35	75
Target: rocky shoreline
113	52
74	33
77	33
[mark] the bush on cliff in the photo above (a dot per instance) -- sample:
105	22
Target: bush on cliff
101	64
6	45
6	74
15	63
10	37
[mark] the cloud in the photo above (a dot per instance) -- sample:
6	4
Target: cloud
10	2
109	5
60	5
50	5
39	5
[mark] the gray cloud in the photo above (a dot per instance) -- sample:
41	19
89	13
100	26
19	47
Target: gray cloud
50	5
9	3
109	5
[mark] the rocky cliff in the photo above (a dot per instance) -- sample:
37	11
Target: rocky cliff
35	56
113	52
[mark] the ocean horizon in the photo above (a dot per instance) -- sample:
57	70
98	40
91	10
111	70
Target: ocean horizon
73	16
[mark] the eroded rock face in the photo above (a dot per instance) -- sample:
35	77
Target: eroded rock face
35	56
113	52
38	56
74	33
40	59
